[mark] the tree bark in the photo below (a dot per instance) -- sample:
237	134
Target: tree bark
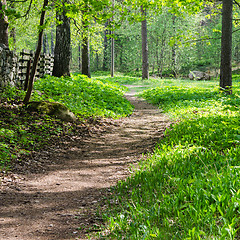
3	24
79	57
112	46
226	47
62	51
37	54
174	47
86	53
112	57
105	51
145	63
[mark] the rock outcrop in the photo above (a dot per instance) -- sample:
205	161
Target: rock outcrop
198	75
53	109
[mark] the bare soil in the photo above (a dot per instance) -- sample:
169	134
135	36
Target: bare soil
61	201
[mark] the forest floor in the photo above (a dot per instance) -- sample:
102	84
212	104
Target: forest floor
63	200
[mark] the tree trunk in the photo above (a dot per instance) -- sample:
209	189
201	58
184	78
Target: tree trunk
79	57
145	64
174	47
226	47
86	53
112	46
105	49
112	57
62	51
3	24
37	54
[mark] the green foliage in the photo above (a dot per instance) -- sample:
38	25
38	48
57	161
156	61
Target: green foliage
189	187
22	132
10	93
85	97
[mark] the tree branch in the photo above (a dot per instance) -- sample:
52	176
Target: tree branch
76	25
237	3
29	8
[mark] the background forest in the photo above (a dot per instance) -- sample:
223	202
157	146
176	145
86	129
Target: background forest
177	41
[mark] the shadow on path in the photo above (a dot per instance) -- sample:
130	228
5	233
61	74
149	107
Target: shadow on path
62	203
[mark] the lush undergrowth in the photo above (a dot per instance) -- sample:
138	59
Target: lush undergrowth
85	97
190	187
22	132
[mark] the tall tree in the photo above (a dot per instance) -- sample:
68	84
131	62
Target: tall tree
3	23
105	49
79	57
62	51
226	47
145	63
85	51
174	47
112	45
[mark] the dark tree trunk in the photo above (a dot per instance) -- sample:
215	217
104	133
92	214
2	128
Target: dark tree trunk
3	24
105	49
79	57
37	55
86	53
226	47
174	47
145	64
112	57
62	51
112	46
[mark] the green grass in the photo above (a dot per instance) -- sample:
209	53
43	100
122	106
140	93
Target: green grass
22	132
139	85
85	97
190	187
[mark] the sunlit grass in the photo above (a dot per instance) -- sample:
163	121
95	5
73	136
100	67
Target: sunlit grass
190	187
85	97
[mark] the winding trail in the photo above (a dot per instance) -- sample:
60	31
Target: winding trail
62	202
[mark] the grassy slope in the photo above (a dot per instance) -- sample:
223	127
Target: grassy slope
85	97
190	187
22	132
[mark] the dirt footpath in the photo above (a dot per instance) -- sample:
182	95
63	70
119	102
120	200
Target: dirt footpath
62	202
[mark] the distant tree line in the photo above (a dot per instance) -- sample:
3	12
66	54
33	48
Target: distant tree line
163	38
